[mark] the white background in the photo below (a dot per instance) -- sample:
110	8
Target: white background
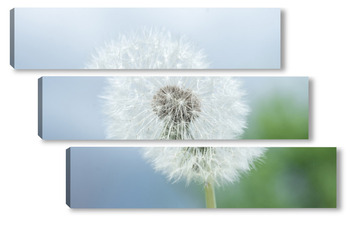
315	43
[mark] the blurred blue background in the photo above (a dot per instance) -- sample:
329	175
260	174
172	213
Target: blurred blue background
72	109
57	38
121	178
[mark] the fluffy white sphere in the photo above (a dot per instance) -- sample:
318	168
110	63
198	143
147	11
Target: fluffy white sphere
174	108
149	49
203	164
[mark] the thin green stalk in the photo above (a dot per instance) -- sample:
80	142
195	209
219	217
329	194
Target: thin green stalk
210	195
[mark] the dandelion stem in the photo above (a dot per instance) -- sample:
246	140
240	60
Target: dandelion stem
210	195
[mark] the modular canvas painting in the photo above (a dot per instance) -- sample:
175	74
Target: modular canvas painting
173	108
199	177
145	38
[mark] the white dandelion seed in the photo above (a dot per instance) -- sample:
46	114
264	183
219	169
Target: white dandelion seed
174	108
203	165
149	49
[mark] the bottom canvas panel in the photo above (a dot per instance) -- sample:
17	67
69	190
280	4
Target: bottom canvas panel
199	177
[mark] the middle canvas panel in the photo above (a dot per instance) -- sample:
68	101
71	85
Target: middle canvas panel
173	108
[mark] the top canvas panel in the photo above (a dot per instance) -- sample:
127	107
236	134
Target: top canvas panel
145	38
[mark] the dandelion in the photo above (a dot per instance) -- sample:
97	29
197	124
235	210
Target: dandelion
149	49
174	108
208	166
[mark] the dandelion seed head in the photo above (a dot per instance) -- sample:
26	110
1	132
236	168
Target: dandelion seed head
220	165
174	108
178	104
149	48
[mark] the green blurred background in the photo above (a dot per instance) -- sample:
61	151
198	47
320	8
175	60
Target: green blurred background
286	178
279	108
